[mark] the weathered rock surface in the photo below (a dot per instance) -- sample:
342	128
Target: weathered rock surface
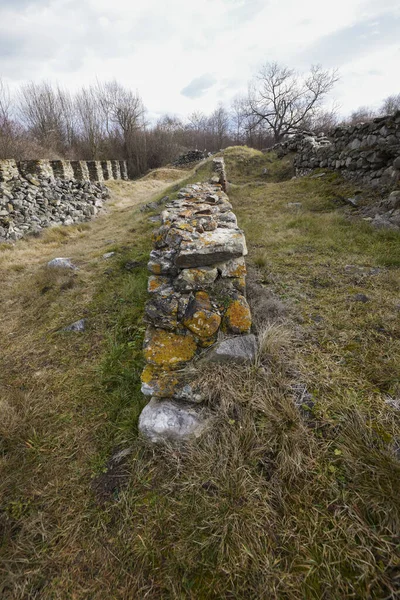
236	350
168	420
61	263
77	326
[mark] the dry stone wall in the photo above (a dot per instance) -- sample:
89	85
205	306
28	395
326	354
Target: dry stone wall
197	308
40	193
368	152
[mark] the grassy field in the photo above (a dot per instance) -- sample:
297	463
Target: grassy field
294	494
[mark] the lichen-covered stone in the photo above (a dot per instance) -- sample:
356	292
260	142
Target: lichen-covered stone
168	350
158	283
199	318
194	279
210	248
236	267
162	311
237	318
162	262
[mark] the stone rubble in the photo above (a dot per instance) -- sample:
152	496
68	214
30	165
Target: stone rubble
197	296
190	157
41	193
367	152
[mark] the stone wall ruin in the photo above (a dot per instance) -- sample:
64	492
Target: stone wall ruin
40	193
368	152
197	308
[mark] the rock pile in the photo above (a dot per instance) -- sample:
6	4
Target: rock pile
29	205
189	157
40	193
197	289
368	152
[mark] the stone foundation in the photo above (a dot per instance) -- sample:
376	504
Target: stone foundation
197	301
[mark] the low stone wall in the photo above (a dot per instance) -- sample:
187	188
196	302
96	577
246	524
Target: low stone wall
197	308
368	152
40	193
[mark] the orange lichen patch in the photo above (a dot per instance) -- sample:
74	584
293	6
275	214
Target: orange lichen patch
156	282
240	284
169	350
154	267
235	268
203	323
198	277
161	384
203	300
158	237
207	342
238	317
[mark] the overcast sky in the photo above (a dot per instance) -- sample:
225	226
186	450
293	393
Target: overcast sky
186	55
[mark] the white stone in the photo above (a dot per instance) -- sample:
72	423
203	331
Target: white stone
61	263
166	420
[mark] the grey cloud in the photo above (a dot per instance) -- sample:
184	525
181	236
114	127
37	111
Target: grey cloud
198	86
348	43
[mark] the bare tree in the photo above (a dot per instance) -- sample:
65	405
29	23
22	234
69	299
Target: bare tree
282	99
219	126
238	118
390	105
40	110
91	123
198	129
361	115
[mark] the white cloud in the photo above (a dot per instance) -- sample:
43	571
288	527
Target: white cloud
183	56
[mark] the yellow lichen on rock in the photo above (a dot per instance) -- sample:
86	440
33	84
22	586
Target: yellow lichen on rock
203	323
161	384
168	350
156	282
238	317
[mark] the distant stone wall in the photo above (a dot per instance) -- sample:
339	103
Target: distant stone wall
368	152
40	193
197	302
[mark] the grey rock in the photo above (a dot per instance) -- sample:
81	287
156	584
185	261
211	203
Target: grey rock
166	420
295	205
361	298
211	247
77	326
238	350
108	255
61	263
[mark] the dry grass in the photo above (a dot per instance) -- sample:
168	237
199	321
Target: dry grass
293	494
170	174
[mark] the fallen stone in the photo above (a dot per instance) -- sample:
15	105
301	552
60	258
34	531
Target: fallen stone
61	263
166	420
236	350
78	326
108	255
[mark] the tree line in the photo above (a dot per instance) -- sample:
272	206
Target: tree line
107	120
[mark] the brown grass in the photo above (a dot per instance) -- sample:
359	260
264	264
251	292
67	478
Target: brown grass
295	491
